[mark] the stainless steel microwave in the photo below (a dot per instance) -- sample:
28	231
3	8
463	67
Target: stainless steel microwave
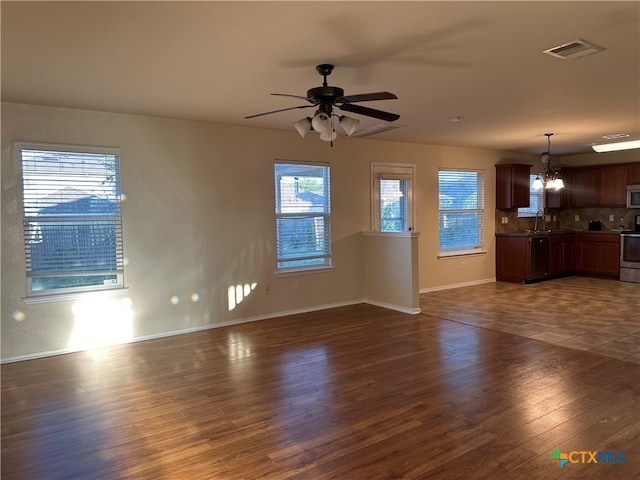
633	196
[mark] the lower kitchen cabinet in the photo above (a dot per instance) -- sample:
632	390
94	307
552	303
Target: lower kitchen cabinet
522	258
598	254
526	258
561	254
512	258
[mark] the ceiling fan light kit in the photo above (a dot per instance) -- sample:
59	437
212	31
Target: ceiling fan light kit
325	99
303	126
349	124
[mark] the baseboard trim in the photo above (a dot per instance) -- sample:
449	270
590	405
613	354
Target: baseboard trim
457	285
397	308
142	338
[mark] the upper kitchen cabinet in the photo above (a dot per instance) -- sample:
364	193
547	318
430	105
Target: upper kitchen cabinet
634	174
612	185
603	185
512	185
584	188
560	198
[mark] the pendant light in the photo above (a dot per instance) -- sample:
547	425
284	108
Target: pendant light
551	179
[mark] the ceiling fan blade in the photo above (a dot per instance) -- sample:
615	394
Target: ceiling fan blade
382	127
367	97
300	97
277	111
369	112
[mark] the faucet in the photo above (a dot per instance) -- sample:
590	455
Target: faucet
539	214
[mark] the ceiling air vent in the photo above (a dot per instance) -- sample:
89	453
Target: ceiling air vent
572	50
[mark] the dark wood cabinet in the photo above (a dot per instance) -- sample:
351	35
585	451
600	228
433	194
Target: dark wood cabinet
582	253
512	258
512	185
561	254
603	186
598	253
584	187
634	174
612	185
560	198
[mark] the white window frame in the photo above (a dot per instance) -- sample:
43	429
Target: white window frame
536	197
57	182
479	247
403	172
322	260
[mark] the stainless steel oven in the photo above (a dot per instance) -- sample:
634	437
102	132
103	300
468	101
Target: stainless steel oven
630	256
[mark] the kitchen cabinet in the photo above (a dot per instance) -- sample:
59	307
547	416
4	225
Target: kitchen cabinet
634	174
603	186
561	254
584	188
560	198
521	258
512	185
612	185
512	258
598	254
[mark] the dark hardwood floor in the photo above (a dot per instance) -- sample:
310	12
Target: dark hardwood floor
356	392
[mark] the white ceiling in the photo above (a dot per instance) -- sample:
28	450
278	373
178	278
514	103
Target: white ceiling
219	61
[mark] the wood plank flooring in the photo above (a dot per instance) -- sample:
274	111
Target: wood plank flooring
355	392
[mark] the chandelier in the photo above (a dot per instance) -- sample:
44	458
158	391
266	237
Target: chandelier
550	178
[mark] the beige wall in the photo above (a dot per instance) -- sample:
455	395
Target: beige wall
198	219
390	270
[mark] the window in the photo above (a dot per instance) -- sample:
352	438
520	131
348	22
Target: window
392	197
536	200
303	216
461	211
72	221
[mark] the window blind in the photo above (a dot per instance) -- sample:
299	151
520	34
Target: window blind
536	200
461	211
72	220
303	216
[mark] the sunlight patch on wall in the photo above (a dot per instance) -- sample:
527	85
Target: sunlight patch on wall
99	322
175	299
237	293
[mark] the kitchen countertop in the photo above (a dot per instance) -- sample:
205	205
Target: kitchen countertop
530	233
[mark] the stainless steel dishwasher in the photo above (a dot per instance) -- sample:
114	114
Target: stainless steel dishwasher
539	257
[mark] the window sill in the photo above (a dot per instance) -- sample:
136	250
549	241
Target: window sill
377	233
444	256
304	271
59	297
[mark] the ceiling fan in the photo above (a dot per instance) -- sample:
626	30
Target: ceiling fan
325	99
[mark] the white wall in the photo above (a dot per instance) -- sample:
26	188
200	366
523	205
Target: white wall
199	218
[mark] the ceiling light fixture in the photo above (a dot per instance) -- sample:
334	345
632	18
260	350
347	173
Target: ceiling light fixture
323	123
303	126
349	124
612	147
550	177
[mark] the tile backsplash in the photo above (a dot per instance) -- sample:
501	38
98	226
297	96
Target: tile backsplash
565	219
